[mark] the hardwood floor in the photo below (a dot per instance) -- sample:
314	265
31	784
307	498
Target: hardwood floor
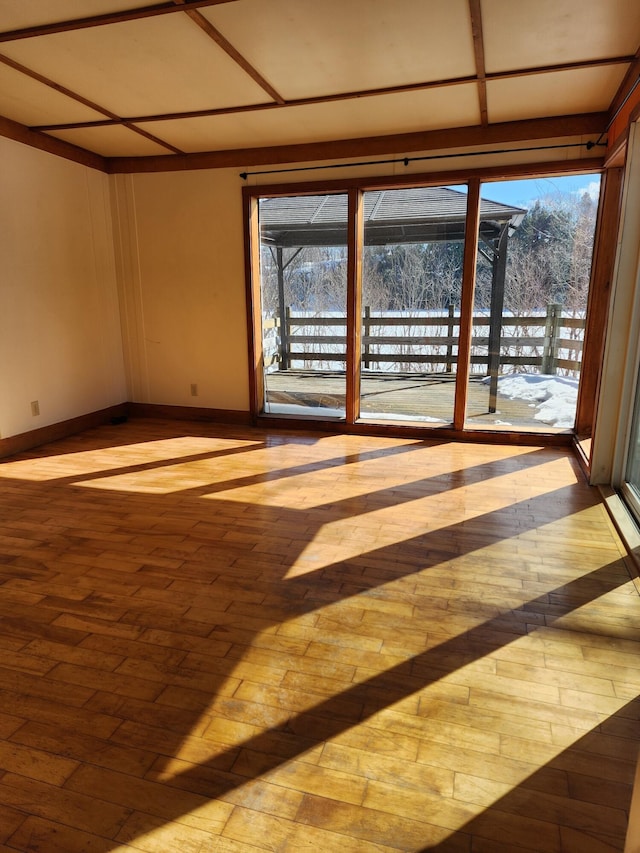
219	639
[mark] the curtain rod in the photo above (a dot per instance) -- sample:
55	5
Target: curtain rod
406	160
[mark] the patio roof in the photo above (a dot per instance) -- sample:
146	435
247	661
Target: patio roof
414	215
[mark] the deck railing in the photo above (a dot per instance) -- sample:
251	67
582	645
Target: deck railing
549	342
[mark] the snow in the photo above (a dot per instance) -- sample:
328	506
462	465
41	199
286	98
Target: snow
302	410
554	397
390	416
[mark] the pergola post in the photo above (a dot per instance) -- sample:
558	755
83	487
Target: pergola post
495	316
283	319
424	215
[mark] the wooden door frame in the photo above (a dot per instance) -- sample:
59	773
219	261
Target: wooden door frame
473	178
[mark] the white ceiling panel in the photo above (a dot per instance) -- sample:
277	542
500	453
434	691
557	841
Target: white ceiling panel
30	102
311	48
149	66
364	117
32	13
228	57
586	90
115	141
548	32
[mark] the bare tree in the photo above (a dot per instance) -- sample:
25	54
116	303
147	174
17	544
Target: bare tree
548	261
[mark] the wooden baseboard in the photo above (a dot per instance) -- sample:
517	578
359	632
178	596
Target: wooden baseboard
189	413
34	438
43	435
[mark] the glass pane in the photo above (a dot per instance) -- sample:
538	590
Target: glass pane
532	281
303	280
632	474
411	284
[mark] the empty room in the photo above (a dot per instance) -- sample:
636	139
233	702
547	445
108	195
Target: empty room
320	426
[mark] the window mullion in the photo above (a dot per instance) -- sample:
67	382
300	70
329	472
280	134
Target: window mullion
355	231
466	301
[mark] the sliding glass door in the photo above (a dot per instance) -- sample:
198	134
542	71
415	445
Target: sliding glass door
303	275
411	287
632	472
367	301
535	243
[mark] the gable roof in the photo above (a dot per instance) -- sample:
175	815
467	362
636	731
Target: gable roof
413	215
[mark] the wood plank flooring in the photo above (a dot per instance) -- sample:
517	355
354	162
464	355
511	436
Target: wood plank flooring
221	639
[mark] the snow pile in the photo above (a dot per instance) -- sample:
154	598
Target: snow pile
553	396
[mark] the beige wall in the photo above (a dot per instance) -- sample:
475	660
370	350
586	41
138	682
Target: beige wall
132	287
60	341
181	273
180	254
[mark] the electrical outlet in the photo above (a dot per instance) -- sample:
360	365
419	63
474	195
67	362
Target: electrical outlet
35	408
194	389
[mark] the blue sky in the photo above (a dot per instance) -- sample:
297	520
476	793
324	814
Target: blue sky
524	193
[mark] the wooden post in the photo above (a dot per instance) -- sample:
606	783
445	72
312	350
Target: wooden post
495	315
286	343
366	332
284	362
599	294
254	313
552	325
355	235
450	358
466	302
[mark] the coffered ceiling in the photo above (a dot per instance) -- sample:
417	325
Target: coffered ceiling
125	78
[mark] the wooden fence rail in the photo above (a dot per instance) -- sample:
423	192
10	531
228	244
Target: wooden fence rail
555	344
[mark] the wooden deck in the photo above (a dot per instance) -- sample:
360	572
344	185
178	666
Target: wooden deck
221	639
418	398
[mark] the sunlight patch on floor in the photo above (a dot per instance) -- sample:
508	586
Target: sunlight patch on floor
84	462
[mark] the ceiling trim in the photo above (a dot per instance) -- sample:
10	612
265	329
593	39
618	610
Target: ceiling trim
108	18
462	137
625	113
560	127
34	75
341	96
478	48
629	82
270	105
19	133
285	153
216	36
560	66
112	117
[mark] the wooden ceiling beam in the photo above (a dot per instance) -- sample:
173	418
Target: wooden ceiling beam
628	83
108	18
340	96
152	138
231	51
51	84
457	138
112	118
270	105
478	49
19	133
504	133
560	66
